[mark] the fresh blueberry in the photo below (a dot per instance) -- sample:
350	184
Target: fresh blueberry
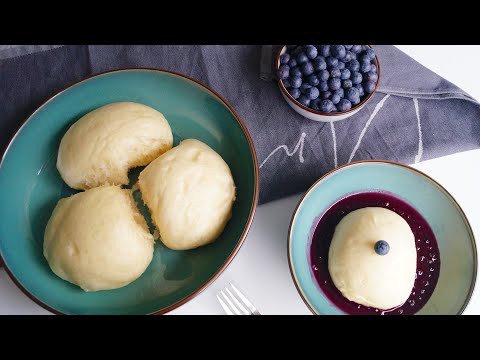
313	80
326	106
301	58
365	67
295	93
319	63
295	71
335	98
341	65
344	105
356	49
348	47
364	59
332	61
284	58
334	109
304	100
370	53
353	65
356	101
325	95
287	83
371	76
297	50
323	86
295	82
335	72
352	94
307	68
365	47
323	75
356	78
304	87
334	83
348	56
338	51
381	247
312	93
315	104
340	92
292	63
360	89
311	51
347	84
324	50
283	72
373	68
369	86
345	74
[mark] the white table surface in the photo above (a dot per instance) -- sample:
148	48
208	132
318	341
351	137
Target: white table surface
261	270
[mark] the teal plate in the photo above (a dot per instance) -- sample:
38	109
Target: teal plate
453	233
30	186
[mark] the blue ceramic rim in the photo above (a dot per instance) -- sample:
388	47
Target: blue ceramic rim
355	163
250	216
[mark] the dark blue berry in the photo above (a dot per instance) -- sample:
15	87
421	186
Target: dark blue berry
313	80
353	65
352	94
360	89
373	68
364	59
295	71
341	65
334	83
312	93
292	63
347	84
284	58
332	61
297	50
319	64
348	56
304	87
311	51
325	95
286	83
338	51
283	72
348	47
356	49
335	72
323	75
334	109
302	58
295	93
326	106
295	82
381	247
324	50
345	74
370	53
365	47
344	105
356	78
315	104
304	100
371	76
356	101
335	98
369	86
307	68
365	67
340	92
323	86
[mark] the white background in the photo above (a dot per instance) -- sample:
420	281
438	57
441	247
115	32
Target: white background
261	270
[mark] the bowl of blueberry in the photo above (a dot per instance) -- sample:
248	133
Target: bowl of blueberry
327	82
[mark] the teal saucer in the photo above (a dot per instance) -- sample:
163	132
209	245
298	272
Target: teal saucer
453	233
30	186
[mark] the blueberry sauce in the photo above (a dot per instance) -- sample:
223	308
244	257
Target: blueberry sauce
428	256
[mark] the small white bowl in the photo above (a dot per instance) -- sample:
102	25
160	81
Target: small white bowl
318	115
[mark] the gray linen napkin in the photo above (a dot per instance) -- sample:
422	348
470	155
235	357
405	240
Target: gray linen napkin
415	115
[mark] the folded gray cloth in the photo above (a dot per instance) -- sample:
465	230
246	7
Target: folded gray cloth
415	114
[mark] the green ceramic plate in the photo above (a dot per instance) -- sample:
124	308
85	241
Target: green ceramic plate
30	186
453	233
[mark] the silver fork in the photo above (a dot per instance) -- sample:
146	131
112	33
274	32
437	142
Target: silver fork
240	304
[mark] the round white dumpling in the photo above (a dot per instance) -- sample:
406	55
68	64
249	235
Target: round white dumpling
103	145
98	239
362	275
190	193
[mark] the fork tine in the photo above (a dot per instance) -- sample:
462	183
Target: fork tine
224	306
235	310
245	311
245	300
